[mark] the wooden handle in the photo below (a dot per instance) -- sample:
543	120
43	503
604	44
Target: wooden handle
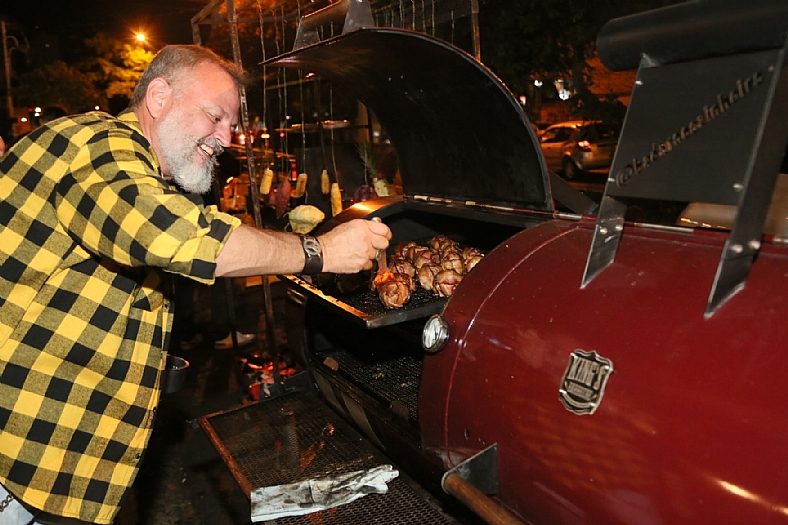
484	506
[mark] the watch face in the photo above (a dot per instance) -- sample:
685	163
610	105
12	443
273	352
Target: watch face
435	334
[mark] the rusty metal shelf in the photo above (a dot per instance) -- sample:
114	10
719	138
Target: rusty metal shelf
296	437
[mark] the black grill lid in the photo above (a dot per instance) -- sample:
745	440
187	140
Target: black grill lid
457	130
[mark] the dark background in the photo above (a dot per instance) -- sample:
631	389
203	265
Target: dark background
165	20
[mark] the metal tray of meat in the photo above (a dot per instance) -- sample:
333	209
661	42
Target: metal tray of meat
364	306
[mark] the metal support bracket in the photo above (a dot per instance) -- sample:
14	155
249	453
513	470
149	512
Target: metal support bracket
357	13
474	481
480	470
721	142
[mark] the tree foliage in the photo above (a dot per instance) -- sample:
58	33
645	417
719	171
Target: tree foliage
58	84
110	74
117	65
524	40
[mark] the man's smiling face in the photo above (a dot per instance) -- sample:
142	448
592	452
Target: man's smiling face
198	126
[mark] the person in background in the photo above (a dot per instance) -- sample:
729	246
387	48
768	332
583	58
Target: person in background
257	125
6	133
98	213
48	114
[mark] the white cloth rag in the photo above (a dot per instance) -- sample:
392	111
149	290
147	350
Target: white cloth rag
13	513
314	495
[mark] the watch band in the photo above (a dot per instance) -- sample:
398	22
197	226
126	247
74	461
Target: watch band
313	255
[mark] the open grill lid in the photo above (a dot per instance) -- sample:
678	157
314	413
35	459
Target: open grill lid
457	130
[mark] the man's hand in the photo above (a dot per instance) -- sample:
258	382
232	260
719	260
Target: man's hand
351	246
2	147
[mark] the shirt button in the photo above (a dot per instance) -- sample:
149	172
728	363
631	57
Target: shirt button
137	456
166	306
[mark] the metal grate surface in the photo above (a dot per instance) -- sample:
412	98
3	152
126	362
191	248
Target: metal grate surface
297	437
394	380
369	302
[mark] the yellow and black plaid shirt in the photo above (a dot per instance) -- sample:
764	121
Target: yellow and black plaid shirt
88	227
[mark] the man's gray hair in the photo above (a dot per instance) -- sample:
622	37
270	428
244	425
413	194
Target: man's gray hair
173	61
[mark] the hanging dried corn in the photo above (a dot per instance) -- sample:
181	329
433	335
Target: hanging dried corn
325	183
300	188
336	199
268	178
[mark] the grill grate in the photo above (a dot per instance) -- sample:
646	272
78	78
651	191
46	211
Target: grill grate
394	380
369	302
297	437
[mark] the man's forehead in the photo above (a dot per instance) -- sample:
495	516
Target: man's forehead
208	85
206	75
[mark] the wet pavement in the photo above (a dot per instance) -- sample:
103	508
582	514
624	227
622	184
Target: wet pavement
182	479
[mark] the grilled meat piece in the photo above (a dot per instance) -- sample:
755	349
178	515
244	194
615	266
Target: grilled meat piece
413	251
439	242
450	249
446	281
425	256
393	289
469	252
402	265
472	261
401	249
452	260
426	275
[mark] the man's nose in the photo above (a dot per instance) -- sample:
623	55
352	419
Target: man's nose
224	136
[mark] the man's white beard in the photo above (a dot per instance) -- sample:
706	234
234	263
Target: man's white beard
179	151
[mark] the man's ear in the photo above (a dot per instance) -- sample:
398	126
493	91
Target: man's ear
158	96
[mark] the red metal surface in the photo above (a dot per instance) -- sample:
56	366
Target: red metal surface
690	429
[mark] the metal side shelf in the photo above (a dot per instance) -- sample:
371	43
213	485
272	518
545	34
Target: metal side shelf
297	436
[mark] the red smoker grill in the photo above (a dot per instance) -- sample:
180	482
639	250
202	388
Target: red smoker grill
595	370
453	126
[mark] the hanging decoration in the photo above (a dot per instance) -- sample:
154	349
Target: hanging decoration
336	200
304	218
300	188
282	198
278	20
268	179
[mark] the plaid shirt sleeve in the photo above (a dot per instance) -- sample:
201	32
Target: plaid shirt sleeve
112	204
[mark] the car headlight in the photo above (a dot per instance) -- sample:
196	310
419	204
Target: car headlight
435	334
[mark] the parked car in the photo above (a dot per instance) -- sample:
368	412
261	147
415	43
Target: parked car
575	147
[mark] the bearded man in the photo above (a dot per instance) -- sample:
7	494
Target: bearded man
96	215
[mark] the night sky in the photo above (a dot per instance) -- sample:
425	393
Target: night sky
165	21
